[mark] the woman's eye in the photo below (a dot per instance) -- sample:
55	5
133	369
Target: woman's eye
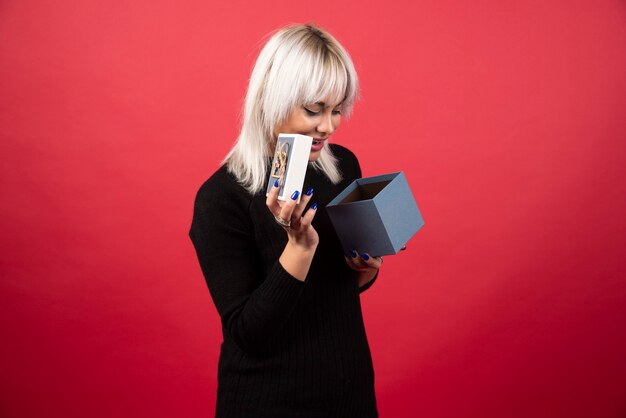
310	112
336	112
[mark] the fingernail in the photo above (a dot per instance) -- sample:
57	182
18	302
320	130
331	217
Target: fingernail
365	256
276	183
310	191
314	206
295	195
353	254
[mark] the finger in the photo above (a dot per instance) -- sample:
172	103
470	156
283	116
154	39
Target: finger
272	199
304	200
371	262
287	208
355	262
350	262
306	220
353	265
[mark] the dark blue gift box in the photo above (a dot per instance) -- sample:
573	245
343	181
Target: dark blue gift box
375	215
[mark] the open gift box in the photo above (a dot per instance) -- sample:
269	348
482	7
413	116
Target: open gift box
375	215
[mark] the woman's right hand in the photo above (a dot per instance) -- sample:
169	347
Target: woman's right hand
303	238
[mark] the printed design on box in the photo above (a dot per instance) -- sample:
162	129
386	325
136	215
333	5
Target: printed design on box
280	164
289	164
281	157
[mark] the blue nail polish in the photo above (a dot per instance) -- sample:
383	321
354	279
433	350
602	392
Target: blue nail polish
353	254
365	256
295	195
310	191
276	183
314	206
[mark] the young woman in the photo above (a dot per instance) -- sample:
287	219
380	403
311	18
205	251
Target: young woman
294	340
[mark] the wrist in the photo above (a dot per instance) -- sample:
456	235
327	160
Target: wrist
296	259
300	249
367	276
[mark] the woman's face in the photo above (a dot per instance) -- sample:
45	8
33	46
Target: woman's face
318	120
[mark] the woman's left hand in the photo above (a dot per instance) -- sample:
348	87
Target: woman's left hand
365	264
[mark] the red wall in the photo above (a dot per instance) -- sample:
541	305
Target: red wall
507	117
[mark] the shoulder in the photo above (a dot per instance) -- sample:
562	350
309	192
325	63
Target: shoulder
222	182
221	189
221	211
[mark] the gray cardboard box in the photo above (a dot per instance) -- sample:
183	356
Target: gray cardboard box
376	215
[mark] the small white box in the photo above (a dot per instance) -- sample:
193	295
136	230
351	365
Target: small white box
291	159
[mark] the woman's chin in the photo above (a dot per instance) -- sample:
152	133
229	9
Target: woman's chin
314	155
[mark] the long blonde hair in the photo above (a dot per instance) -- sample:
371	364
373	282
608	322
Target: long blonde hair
300	64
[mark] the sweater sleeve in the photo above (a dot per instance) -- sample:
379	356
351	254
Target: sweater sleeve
252	308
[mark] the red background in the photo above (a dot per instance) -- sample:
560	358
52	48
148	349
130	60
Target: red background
507	117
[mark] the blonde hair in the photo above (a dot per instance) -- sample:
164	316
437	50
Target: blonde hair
300	64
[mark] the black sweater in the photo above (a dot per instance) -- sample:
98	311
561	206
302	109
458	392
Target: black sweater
291	348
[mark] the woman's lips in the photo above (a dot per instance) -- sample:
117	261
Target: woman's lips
317	144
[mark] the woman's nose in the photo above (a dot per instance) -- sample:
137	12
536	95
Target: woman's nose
326	125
